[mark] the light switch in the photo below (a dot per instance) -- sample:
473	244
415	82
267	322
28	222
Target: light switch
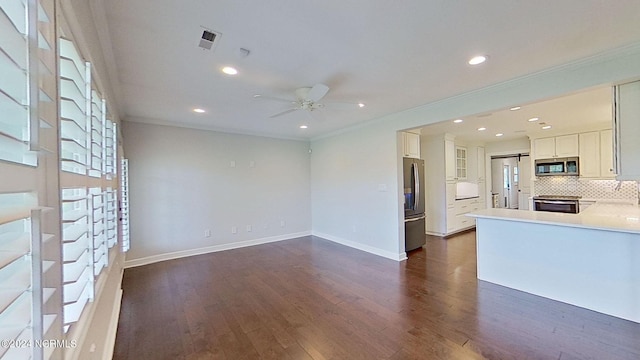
234	230
252	164
382	187
232	164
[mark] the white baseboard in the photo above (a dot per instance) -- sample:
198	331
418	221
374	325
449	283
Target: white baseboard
209	249
366	248
110	342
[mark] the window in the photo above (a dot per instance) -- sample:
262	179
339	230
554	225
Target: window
89	205
27	84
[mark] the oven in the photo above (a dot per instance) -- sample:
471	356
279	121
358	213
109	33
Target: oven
555	203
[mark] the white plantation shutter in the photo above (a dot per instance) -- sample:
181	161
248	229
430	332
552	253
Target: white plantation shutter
74	142
111	220
15	270
28	128
124	204
77	253
22	291
100	249
97	135
15	128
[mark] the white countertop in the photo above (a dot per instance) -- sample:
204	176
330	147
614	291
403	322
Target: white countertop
603	215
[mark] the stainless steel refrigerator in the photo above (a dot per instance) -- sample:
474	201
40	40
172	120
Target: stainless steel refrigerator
414	216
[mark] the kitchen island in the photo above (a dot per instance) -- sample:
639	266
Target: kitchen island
590	259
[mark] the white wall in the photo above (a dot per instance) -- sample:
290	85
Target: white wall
348	165
353	192
508	147
182	183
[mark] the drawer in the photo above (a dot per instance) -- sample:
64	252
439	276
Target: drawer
463	222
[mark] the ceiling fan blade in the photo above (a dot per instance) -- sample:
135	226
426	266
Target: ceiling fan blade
317	92
283	113
341	106
263	97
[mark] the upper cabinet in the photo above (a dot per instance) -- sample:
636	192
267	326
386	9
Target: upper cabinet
559	146
626	127
480	163
411	145
606	154
450	160
596	154
461	163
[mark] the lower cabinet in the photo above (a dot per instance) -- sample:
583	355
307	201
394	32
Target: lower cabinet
457	220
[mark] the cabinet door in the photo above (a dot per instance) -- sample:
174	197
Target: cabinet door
480	163
590	154
461	163
411	145
627	128
606	154
567	145
545	148
450	160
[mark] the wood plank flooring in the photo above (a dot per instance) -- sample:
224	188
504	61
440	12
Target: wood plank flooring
309	298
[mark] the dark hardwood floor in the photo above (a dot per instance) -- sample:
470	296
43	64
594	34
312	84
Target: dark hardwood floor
313	299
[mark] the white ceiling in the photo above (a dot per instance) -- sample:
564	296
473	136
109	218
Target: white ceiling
584	110
389	55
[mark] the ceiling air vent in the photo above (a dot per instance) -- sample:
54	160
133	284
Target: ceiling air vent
208	37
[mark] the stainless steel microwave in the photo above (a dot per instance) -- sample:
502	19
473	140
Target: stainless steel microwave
557	166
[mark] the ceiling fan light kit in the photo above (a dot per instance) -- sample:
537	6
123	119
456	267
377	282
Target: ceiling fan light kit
307	98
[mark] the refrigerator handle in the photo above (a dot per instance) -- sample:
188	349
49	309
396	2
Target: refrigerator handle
416	176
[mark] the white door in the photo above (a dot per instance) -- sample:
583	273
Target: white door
497	182
524	182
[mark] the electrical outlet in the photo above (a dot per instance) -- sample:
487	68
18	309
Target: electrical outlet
252	164
353	229
207	233
248	228
232	164
282	223
234	230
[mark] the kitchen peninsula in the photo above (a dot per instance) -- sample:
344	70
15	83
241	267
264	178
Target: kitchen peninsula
590	259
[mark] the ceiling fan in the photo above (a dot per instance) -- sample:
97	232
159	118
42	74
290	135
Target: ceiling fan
307	98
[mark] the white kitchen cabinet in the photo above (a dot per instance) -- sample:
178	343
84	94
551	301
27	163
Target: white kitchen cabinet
559	146
567	145
606	154
480	164
626	128
450	160
411	145
590	154
545	148
461	163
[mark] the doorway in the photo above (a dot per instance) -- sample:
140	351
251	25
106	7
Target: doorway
510	187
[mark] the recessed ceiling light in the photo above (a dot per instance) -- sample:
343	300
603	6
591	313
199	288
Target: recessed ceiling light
303	126
499	134
458	121
229	70
482	128
361	105
546	127
477	60
515	108
199	111
533	119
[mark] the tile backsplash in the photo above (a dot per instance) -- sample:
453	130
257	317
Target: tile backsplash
589	189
